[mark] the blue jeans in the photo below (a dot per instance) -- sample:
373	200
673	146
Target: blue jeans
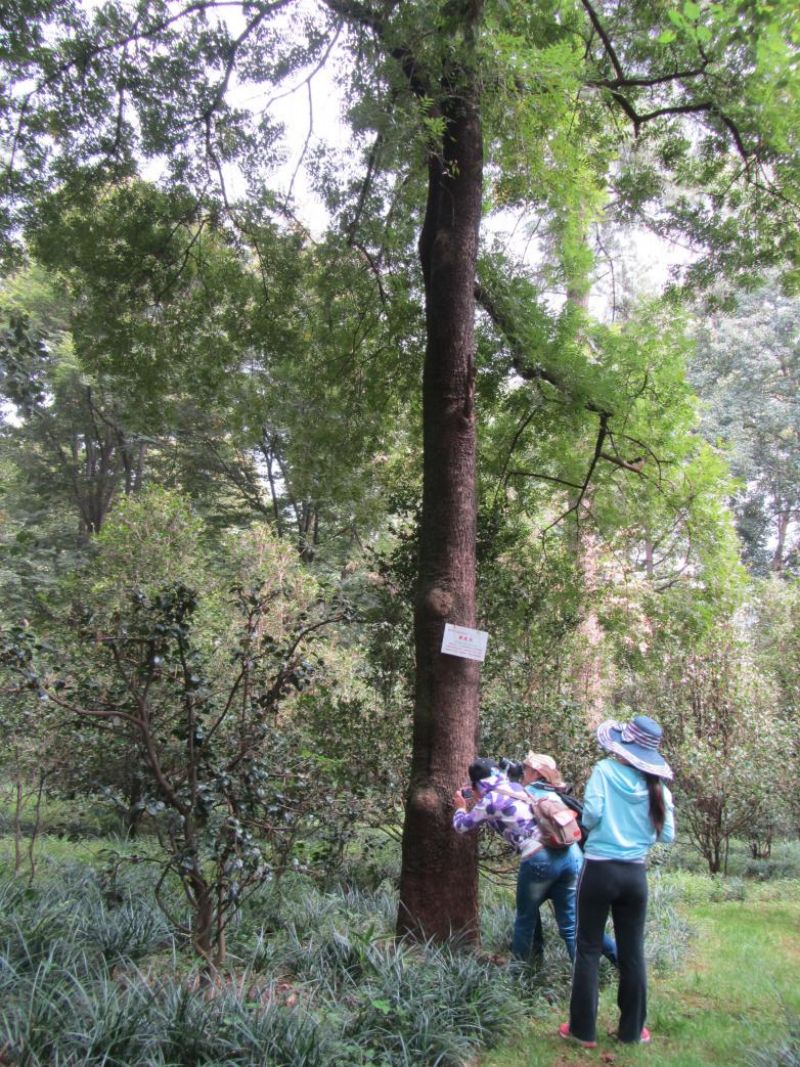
550	874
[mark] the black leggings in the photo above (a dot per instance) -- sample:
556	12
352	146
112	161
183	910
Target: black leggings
621	888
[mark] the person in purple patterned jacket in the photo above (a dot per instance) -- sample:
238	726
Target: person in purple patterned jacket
502	804
505	807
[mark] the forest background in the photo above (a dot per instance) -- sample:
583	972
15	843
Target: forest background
252	464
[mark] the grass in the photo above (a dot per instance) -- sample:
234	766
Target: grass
58	818
731	1000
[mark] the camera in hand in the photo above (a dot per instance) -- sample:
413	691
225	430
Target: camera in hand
511	768
485	767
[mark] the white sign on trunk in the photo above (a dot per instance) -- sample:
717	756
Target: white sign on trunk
464	642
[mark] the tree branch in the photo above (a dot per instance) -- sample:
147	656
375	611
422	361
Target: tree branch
635	465
598	449
624	81
526	371
546	478
601	33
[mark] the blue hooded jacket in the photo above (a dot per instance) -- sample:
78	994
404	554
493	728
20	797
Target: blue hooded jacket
616	812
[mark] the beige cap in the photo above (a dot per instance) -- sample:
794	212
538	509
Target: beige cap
545	765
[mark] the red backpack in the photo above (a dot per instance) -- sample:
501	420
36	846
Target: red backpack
557	822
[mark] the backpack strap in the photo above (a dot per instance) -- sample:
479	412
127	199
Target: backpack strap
523	796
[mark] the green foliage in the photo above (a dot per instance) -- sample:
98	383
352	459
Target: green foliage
180	694
68	450
728	744
263	401
23	357
741	50
785	1053
151	541
150	273
626	532
91	973
74	916
338	987
668	933
746	367
186	343
67	819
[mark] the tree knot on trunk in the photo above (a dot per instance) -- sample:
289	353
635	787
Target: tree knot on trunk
443	245
426	801
439	602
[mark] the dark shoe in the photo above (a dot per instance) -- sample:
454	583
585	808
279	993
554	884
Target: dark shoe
563	1031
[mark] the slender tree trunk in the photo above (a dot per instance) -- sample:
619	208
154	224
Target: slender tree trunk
37	825
267	453
203	928
139	477
589	684
649	559
439	882
133	794
19	800
783	520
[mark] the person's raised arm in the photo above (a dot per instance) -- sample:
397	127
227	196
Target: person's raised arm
469	814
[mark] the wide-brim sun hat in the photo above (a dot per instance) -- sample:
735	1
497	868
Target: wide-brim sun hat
637	742
544	765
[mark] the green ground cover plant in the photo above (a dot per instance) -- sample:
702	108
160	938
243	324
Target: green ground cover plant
786	1053
92	972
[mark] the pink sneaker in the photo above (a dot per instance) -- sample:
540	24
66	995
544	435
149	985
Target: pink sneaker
643	1040
563	1031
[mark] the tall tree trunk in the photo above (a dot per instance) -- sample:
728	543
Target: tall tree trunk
589	684
783	519
19	802
439	881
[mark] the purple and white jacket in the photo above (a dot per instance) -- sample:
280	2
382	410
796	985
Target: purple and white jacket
505	806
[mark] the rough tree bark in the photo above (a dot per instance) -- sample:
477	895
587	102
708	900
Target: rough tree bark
439	883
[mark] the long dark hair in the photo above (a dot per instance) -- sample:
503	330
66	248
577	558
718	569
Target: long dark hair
658	807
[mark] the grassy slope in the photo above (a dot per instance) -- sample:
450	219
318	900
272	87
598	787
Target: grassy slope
728	998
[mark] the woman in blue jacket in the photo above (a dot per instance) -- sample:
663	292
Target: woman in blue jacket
626	809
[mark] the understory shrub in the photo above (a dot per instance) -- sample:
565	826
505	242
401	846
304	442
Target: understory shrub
783	863
58	818
73	912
